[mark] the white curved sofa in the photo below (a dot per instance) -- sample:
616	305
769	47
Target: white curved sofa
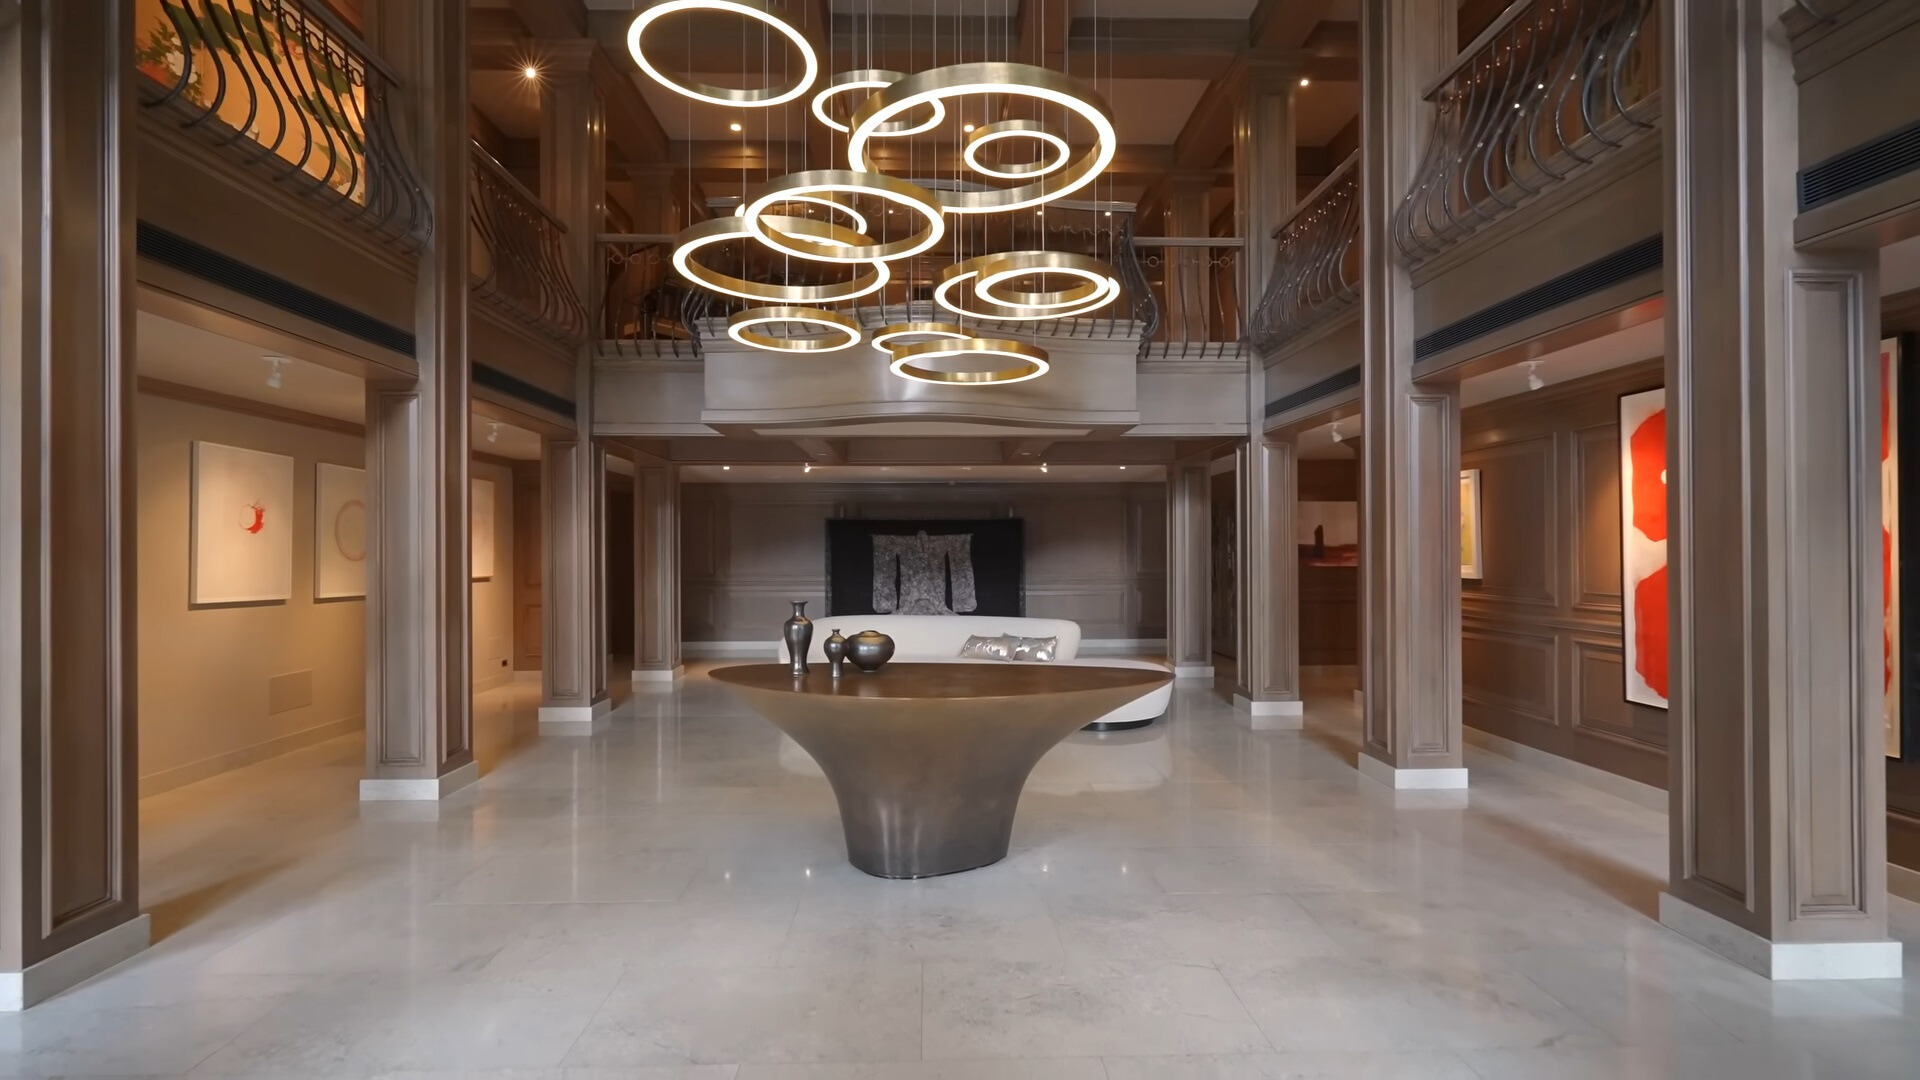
936	639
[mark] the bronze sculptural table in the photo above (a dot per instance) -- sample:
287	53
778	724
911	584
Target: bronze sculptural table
928	760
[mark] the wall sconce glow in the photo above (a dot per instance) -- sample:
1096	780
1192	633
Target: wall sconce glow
273	377
753	10
808	467
1304	82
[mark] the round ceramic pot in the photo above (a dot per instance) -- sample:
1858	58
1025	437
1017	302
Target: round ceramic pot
869	649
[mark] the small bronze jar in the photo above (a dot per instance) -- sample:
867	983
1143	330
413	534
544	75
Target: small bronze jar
869	649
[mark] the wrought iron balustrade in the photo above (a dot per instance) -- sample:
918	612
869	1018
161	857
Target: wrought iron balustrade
518	258
288	90
1316	264
1193	283
645	310
1550	88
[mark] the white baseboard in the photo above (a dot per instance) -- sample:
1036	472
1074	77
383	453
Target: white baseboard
74	965
534	675
575	719
427	789
1410	779
1193	671
665	675
500	677
195	771
1270	715
1620	787
1780	960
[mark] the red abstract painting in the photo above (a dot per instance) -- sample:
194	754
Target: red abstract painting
1643	544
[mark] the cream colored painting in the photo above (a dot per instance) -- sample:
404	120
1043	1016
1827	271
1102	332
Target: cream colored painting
339	532
1470	564
242	527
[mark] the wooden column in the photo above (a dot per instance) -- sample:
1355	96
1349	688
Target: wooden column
656	575
419	588
1190	571
1267	687
1410	504
573	483
1263	167
1777	781
69	837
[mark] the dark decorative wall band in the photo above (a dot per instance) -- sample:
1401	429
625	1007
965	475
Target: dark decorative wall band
1332	384
1603	273
499	381
1870	163
203	262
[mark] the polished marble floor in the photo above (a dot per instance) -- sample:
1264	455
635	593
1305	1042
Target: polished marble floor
668	900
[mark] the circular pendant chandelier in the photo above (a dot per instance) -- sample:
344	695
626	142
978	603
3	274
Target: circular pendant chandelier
1006	362
752	10
979	288
997	79
1003	130
888	338
863	82
819	182
843	332
722	230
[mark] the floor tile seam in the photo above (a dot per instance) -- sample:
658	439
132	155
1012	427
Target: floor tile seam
1272	1046
626	972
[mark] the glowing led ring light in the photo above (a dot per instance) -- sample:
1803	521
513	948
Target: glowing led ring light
721	230
741	329
884	339
1002	130
1027	362
819	181
754	10
964	277
998	270
869	80
1000	79
855	219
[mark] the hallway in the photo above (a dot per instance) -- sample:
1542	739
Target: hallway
1192	900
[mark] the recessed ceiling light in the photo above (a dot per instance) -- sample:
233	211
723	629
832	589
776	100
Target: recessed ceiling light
530	71
1123	468
966	127
735	126
726	468
1304	82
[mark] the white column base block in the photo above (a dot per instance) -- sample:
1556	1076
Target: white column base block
429	789
1270	715
1192	671
71	967
1410	779
660	675
575	719
1360	698
1780	960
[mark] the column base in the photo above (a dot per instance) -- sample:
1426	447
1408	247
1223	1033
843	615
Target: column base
1780	960
1270	715
1192	671
660	675
428	789
72	966
1410	779
575	719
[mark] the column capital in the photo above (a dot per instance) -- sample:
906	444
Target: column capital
572	57
1270	69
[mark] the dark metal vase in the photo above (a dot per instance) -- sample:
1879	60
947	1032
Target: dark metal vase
798	634
869	649
835	648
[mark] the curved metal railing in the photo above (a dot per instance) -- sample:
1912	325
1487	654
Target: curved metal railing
518	259
1548	89
1193	283
645	311
288	90
1316	267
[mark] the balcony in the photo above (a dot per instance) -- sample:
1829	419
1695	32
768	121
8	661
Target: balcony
517	255
1546	92
286	92
1316	266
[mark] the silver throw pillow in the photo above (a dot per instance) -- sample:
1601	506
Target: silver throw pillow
987	648
1042	649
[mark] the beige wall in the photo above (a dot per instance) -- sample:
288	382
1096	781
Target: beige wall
1096	553
204	674
207	702
493	599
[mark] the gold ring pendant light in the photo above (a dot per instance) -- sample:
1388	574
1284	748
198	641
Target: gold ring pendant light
855	219
1022	361
847	182
754	10
722	230
999	79
887	338
1002	130
741	329
977	287
865	81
